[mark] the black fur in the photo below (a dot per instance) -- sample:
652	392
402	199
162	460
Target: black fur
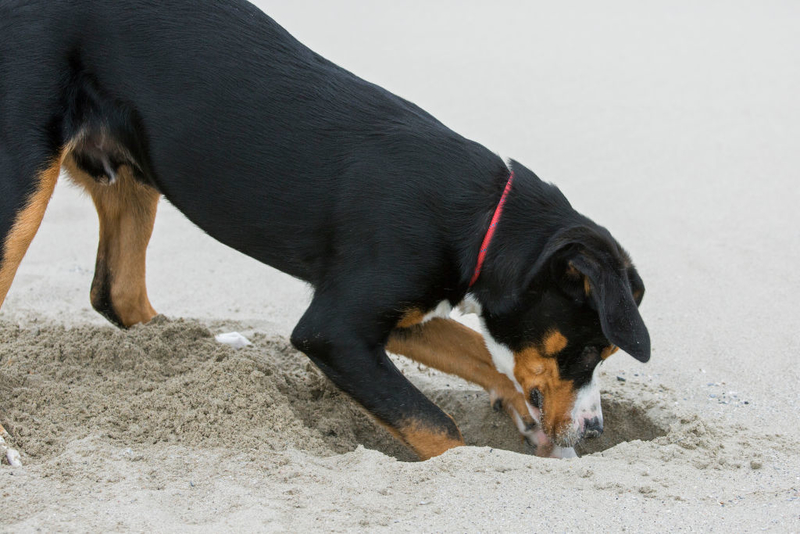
288	158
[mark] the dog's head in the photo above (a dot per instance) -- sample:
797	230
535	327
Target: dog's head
577	305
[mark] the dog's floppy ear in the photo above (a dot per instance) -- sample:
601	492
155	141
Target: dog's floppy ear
581	261
611	293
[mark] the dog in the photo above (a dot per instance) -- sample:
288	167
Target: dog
393	218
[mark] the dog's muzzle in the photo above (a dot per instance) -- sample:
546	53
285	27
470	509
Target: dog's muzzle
587	415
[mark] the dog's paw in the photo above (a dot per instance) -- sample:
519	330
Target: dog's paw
513	403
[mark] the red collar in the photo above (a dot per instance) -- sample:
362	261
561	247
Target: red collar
487	240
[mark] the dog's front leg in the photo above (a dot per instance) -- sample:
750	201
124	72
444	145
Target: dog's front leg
451	347
344	346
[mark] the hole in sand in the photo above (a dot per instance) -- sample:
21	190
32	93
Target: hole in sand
625	420
480	425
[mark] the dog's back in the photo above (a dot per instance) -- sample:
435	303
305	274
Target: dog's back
265	130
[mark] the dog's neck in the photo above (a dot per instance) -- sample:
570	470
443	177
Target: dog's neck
487	240
533	212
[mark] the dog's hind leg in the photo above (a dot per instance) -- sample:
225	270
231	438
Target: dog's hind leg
24	195
126	209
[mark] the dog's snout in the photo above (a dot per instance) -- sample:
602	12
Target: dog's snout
592	427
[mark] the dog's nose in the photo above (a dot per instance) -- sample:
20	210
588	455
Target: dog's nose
592	427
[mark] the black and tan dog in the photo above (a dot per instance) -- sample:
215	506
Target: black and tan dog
284	156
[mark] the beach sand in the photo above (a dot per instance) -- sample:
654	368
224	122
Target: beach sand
675	125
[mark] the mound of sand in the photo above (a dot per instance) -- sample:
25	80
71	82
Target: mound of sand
126	416
170	383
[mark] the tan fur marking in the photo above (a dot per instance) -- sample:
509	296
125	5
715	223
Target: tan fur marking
425	442
26	225
127	211
410	318
587	286
608	351
447	345
554	343
451	347
533	370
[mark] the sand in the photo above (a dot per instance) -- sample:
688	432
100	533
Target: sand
673	124
161	427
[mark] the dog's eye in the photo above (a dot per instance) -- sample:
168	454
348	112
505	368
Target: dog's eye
536	398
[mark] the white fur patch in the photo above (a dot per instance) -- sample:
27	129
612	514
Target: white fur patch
442	310
469	305
502	357
587	402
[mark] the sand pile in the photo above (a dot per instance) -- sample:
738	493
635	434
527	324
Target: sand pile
169	382
162	427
